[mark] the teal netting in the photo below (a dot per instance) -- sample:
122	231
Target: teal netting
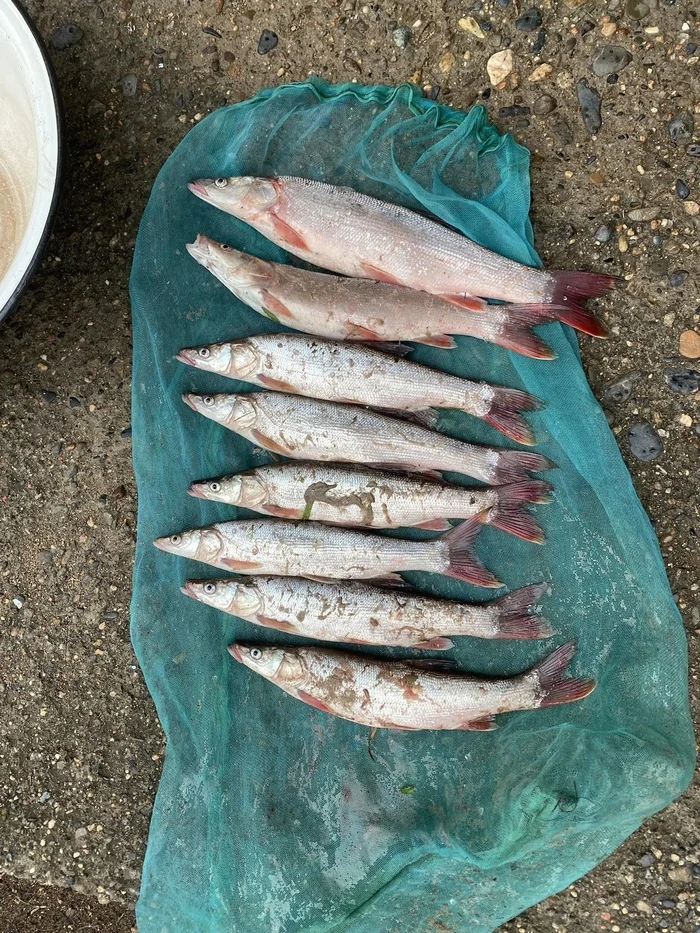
271	817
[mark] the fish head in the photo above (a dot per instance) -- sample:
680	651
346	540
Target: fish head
238	598
236	269
198	544
243	196
280	665
244	489
214	358
235	411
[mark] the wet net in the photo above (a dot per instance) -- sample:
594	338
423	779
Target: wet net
272	816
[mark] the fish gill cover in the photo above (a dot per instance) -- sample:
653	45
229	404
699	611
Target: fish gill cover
272	816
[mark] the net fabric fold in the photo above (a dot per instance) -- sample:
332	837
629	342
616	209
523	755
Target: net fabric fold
273	816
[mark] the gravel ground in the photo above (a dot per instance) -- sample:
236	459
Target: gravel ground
80	747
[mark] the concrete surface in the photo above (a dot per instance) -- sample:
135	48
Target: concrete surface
80	747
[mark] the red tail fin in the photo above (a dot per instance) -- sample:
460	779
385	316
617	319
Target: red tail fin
510	515
571	289
555	687
515	619
503	414
462	564
514	465
516	334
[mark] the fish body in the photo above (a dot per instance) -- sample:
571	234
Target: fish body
355	373
340	308
404	695
347	495
308	429
310	549
345	231
370	615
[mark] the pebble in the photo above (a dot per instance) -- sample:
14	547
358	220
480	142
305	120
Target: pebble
682	190
589	101
677	278
513	111
668	903
65	35
644	441
643	214
130	85
682	873
689	344
539	42
693	150
692	208
469	24
659	267
48	396
210	31
682	381
541	73
74	402
603	233
503	4
45	557
657	241
267	42
681	127
610	59
18	602
447	63
636	9
643	907
623	244
646	861
621	390
401	36
585	27
499	66
529	21
126	432
544	104
608	29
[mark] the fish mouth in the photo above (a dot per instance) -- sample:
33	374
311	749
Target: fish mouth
235	652
199	188
196	490
184	357
200	249
188	589
187	398
163	544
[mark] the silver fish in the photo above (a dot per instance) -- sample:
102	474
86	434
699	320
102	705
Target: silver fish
307	429
340	308
348	232
350	372
370	615
345	495
310	549
406	695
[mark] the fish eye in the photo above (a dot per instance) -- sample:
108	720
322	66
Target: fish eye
225	246
255	654
210	588
204	352
221	182
215	487
208	399
176	539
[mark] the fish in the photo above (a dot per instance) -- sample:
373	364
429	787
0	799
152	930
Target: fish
335	371
308	429
340	308
345	231
358	613
310	549
408	694
347	495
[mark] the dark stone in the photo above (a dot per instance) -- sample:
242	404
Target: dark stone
691	48
544	104
613	78
610	59
210	31
126	432
529	21
603	233
48	396
589	102
621	390
267	42
539	42
570	44
677	278
657	241
659	267
647	860
65	35
485	25
585	27
668	903
74	402
513	111
435	90
401	36
636	9
130	85
681	127
682	190
693	150
503	3
682	381
644	441
568	231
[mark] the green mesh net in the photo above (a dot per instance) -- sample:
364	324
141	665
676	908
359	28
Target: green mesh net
272	816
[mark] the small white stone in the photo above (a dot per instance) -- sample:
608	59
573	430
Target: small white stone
499	66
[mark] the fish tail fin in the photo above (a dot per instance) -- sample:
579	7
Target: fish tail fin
517	335
510	514
514	465
571	289
504	414
515	613
462	564
556	688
